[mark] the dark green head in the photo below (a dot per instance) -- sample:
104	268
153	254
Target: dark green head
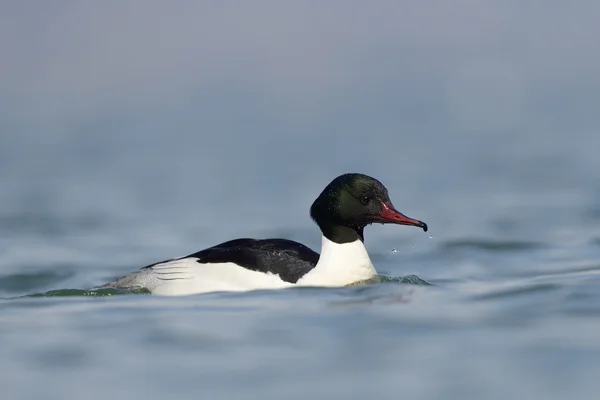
351	202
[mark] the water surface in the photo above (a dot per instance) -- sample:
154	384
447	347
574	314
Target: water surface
134	133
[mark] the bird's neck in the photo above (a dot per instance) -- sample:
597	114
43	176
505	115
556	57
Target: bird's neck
340	264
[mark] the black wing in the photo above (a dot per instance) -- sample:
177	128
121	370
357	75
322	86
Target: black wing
286	258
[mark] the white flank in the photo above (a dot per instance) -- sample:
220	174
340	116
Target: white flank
340	264
187	276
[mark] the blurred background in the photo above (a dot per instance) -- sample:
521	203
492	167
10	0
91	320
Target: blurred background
135	131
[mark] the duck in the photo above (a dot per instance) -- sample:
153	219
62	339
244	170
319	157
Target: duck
344	208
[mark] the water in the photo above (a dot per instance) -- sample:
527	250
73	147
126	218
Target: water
118	153
502	301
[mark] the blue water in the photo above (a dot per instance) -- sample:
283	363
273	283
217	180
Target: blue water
125	141
513	261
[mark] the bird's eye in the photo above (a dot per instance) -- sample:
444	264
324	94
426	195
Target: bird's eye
365	200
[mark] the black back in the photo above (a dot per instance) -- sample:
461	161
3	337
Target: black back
286	258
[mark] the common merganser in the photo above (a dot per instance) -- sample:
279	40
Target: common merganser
348	204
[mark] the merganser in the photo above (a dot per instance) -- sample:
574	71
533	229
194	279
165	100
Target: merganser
348	204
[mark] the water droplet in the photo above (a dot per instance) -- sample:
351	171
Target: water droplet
430	236
394	251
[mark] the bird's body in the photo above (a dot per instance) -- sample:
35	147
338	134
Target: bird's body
347	204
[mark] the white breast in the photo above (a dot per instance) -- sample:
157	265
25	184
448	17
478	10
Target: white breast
340	264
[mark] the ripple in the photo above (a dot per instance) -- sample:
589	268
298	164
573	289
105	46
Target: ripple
34	280
491	245
84	293
517	291
592	213
408	279
576	271
380	279
46	225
